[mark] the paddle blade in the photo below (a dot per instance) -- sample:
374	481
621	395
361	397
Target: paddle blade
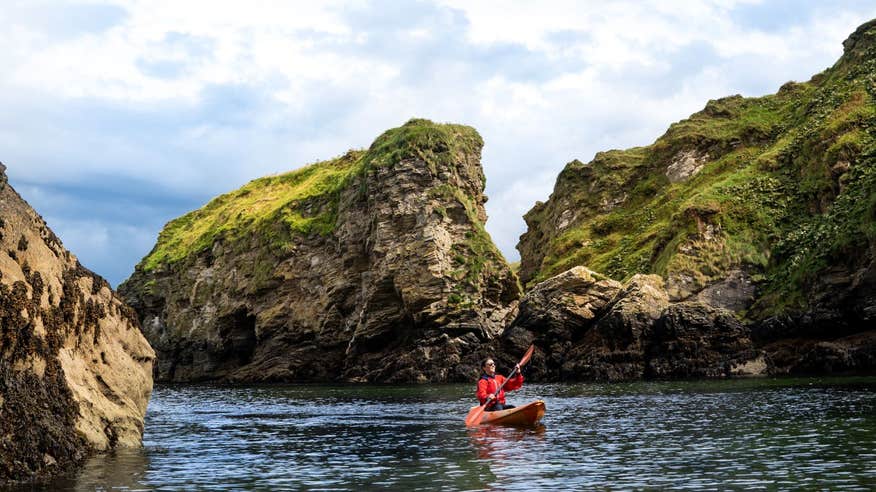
474	416
527	355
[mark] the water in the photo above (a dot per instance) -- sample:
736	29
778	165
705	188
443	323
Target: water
752	434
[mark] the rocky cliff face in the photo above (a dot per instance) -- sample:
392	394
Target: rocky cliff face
765	207
374	266
589	327
75	371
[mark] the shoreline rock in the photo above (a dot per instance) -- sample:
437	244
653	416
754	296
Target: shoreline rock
637	333
640	333
75	371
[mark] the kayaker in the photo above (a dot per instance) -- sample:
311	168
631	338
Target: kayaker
490	382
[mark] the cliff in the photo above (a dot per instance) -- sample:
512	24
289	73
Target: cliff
590	327
374	266
764	207
75	371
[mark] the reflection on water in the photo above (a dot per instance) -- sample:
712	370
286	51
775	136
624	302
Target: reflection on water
123	469
497	443
772	434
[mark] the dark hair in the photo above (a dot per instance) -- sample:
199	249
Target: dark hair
484	362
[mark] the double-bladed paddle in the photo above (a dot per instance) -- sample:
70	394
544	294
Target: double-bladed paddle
474	415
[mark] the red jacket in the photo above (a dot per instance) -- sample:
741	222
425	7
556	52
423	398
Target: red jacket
488	385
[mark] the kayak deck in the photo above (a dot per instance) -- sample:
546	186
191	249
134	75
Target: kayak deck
525	415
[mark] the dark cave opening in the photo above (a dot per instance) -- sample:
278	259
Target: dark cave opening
238	331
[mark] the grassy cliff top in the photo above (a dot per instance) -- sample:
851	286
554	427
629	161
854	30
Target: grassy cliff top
435	144
305	201
785	188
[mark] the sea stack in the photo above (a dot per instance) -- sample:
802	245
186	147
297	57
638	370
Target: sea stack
75	370
370	267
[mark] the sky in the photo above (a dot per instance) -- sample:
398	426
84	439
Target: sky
118	116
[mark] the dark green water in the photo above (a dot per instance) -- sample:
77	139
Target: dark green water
739	434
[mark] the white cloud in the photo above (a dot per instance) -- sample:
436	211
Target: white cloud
195	98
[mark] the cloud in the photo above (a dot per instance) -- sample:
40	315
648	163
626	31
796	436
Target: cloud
62	21
109	224
119	116
109	248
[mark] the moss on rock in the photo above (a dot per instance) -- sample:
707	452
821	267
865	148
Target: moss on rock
305	201
779	185
331	271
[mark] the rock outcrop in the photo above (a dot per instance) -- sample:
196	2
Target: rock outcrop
695	340
616	349
599	330
374	266
75	371
557	312
760	206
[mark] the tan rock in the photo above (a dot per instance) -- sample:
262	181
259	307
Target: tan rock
565	303
75	370
615	348
685	165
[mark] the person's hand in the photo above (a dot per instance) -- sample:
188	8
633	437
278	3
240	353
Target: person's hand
489	399
517	366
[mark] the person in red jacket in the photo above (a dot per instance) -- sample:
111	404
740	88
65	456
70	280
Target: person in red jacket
490	382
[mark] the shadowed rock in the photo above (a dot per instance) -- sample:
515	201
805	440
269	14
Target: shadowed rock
638	333
695	340
615	349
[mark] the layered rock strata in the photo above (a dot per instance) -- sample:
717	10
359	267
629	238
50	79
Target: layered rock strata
75	371
374	266
589	327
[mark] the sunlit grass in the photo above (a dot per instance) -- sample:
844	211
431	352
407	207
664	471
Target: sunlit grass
281	210
786	188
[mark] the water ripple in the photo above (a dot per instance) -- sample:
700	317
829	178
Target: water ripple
740	434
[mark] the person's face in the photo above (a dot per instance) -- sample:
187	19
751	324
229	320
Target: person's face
490	367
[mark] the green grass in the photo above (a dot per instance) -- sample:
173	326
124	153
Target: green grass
279	210
437	145
259	205
786	191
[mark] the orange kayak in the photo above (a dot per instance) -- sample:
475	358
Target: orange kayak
526	415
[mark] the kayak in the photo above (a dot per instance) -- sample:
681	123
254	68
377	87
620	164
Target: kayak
526	415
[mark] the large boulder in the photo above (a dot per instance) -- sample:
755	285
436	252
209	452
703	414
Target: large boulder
566	302
558	311
615	349
696	340
75	371
583	334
